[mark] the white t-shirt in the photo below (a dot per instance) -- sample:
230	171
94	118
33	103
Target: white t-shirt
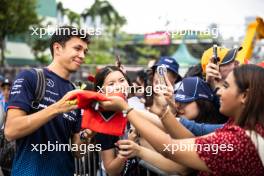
135	103
2	116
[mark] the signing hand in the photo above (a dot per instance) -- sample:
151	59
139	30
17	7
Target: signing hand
128	148
114	103
64	105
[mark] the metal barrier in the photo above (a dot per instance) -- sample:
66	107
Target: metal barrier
89	165
153	169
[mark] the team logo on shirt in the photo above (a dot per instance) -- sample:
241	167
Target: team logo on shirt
71	116
50	83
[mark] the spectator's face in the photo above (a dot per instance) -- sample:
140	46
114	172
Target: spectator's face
227	68
187	110
115	82
139	85
139	82
6	91
230	99
71	55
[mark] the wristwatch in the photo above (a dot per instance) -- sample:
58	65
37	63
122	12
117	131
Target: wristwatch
125	112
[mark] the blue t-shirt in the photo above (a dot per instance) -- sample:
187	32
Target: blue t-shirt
28	159
1	95
199	129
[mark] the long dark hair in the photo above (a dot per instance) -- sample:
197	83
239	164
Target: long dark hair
208	113
102	74
250	79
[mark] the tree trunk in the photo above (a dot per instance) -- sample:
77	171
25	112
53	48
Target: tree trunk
2	47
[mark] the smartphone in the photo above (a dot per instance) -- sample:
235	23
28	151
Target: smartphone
148	82
215	56
161	71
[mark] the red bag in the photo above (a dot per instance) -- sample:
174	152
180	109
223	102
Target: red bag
106	122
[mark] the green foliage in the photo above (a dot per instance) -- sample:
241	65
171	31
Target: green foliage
102	48
100	58
100	51
38	45
145	53
15	18
142	61
74	18
148	51
106	12
44	59
110	18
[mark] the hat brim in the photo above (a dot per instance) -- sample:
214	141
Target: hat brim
191	99
230	56
5	84
184	100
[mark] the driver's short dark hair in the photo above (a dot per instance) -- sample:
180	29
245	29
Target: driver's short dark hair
65	33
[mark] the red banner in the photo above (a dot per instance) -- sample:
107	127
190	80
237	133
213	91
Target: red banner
157	38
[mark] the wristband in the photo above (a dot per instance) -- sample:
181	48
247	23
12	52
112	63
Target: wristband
125	112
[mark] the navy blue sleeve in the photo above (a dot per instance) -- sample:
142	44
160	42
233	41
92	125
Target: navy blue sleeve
199	129
22	91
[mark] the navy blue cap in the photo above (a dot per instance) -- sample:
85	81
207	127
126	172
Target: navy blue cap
230	55
6	82
170	63
193	88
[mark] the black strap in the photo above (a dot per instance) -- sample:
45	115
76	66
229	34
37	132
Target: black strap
40	87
